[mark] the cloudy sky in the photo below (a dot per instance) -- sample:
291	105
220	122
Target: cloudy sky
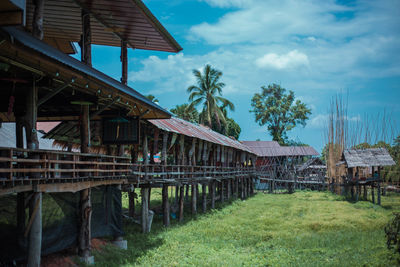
315	48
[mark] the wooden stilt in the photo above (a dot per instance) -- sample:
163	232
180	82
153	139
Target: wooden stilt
35	230
228	189
145	210
181	198
242	196
187	193
212	188
165	205
204	197
131	195
372	193
365	193
237	187
149	198
221	193
194	199
85	224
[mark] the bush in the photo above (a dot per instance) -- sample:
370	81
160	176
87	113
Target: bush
392	230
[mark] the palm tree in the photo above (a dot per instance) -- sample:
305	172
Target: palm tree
152	98
186	112
208	92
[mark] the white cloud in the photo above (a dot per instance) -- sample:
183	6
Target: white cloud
293	59
229	3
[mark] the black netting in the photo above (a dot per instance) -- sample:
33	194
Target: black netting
60	221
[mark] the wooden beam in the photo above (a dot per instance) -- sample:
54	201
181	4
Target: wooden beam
74	187
100	110
211	188
194	199
11	18
53	93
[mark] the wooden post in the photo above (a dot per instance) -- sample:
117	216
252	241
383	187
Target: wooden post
379	186
131	195
237	187
242	187
86	41
228	188
149	199
187	193
85	224
181	198
165	205
365	192
222	191
204	197
194	199
124	61
372	192
211	187
37	22
145	209
164	148
35	230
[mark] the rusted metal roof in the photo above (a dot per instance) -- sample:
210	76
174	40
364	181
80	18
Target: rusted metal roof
179	126
111	22
370	157
261	147
273	149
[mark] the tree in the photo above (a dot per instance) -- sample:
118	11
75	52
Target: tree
186	112
276	109
152	98
208	92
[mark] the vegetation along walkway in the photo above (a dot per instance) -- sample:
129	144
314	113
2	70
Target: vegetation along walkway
302	229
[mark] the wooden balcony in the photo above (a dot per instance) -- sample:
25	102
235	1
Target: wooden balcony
59	171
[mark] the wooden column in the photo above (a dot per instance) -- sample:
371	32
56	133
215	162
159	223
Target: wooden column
124	61
145	210
379	185
365	192
204	197
164	148
237	187
194	199
242	188
85	224
228	188
131	195
35	230
181	198
165	205
211	188
372	192
86	41
222	191
37	22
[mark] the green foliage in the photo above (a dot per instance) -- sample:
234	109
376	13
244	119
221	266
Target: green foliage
186	112
208	92
279	111
302	229
152	98
392	231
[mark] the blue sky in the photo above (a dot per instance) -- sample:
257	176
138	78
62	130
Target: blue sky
315	48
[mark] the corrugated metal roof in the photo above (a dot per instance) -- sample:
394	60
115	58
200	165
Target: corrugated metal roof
367	157
111	21
180	126
47	50
273	149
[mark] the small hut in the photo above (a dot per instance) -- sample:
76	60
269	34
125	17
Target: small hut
363	168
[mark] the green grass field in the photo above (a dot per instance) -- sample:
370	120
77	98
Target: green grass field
303	229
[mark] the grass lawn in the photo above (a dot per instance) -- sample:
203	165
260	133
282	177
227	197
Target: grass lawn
303	229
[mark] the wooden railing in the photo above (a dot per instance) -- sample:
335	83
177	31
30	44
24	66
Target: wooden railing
49	166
